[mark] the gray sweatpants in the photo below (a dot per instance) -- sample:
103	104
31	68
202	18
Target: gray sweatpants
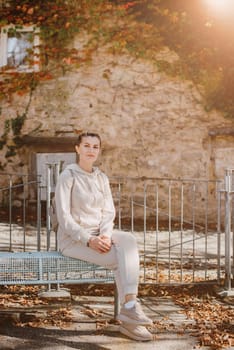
123	259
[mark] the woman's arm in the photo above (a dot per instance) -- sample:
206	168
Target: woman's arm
108	214
63	208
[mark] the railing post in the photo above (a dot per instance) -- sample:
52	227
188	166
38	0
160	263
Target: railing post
228	232
48	191
56	176
119	206
38	212
53	170
10	210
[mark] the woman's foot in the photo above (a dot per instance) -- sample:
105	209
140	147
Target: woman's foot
134	315
135	332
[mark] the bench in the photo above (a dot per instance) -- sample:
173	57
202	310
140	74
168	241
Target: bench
51	268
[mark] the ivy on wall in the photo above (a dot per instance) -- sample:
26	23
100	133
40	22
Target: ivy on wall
59	21
203	41
205	46
140	27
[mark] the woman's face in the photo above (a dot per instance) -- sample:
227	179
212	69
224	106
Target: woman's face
88	150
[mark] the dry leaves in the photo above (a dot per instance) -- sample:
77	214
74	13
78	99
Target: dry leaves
212	321
24	298
93	313
60	318
18	296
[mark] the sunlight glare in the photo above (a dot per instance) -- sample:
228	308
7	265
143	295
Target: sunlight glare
221	6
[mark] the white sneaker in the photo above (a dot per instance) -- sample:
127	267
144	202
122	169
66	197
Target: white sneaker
134	315
135	332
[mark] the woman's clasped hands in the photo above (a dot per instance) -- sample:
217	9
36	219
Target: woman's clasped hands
101	243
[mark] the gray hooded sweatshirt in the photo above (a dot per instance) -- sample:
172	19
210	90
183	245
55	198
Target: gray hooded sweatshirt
84	205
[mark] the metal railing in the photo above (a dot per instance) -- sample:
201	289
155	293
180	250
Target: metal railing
20	212
183	226
178	226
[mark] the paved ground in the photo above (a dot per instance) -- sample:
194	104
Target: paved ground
90	328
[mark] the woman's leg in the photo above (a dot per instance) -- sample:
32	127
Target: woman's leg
123	259
127	273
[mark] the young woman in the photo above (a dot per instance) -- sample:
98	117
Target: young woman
86	214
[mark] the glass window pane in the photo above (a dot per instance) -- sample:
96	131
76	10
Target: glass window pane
19	46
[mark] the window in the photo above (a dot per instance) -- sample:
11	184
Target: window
42	162
19	48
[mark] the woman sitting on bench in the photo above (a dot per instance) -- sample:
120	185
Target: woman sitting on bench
86	214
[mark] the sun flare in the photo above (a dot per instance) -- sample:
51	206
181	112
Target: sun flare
220	5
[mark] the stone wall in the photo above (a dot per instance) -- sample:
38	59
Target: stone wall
151	124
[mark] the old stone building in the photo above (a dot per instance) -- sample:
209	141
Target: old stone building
151	124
